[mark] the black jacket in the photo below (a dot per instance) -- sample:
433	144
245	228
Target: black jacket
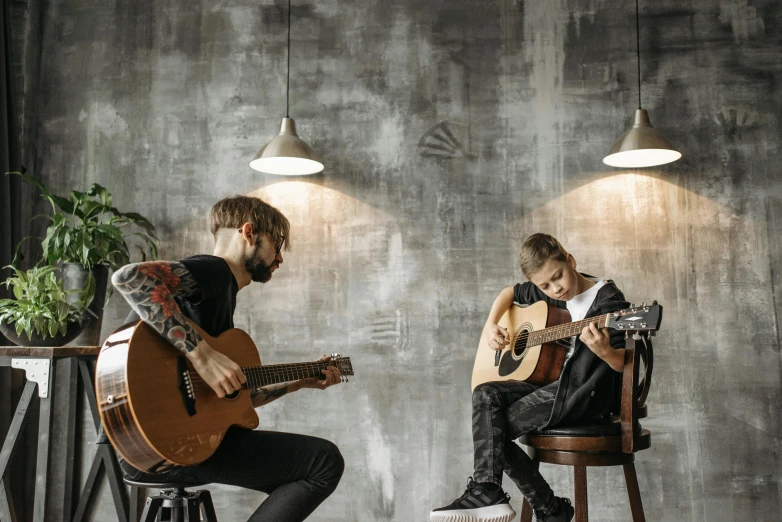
587	386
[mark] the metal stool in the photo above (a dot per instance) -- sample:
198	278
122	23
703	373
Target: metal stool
173	502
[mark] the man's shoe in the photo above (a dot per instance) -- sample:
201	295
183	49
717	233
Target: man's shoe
565	513
477	504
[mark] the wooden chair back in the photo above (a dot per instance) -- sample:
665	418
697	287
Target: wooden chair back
635	388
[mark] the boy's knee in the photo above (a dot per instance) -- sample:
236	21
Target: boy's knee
484	393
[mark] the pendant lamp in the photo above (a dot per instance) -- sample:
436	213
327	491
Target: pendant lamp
287	154
642	145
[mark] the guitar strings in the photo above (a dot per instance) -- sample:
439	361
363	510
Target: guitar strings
561	331
275	371
531	338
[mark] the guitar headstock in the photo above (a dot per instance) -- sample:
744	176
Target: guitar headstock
343	364
644	318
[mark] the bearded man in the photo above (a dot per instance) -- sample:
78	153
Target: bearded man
297	472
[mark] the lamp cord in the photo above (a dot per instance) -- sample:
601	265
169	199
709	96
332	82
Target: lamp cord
288	81
637	51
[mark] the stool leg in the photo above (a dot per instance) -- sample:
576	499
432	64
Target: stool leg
582	507
634	492
135	494
526	512
207	506
194	509
151	508
526	509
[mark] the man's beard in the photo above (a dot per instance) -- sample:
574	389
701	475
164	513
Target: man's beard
259	271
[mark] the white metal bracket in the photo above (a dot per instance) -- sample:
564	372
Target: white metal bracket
36	370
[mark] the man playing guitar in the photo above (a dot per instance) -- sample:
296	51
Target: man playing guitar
297	472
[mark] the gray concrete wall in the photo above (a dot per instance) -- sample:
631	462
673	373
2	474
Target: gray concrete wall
398	252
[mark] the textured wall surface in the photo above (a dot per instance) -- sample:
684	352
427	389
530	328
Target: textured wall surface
451	130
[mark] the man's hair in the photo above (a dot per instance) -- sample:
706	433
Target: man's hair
235	211
536	250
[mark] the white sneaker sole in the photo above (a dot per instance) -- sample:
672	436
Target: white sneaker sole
497	513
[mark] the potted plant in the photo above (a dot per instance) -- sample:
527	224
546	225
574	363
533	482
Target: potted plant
41	309
88	235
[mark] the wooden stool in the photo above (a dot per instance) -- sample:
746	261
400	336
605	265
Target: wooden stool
173	502
602	444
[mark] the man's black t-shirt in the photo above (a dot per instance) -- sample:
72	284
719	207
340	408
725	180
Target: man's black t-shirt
212	308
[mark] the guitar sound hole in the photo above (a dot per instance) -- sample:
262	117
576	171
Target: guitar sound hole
520	344
233	395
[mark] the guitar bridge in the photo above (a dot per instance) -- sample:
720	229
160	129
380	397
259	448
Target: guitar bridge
497	355
186	386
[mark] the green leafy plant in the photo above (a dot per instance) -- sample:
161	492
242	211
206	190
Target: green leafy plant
41	304
88	230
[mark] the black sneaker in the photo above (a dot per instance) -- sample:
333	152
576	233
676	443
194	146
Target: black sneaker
565	513
477	504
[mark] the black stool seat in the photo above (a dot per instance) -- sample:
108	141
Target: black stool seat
587	429
173	502
162	485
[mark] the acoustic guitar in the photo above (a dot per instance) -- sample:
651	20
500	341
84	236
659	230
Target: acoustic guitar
539	341
157	411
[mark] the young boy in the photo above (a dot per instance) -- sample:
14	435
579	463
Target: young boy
504	411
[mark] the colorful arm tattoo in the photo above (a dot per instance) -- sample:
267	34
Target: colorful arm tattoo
150	289
267	394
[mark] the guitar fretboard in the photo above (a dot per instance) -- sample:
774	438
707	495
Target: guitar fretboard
555	333
275	373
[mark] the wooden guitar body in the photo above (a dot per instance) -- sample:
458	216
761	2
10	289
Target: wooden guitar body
142	392
541	364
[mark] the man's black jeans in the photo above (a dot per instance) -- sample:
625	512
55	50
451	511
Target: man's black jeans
296	471
501	413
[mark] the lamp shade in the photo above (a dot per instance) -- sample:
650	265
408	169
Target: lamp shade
641	146
287	154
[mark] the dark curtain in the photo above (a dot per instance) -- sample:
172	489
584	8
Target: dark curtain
10	225
10	153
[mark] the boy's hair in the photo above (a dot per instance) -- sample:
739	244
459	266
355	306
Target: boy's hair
536	250
235	211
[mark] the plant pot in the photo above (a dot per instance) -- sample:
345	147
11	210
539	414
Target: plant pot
74	277
74	329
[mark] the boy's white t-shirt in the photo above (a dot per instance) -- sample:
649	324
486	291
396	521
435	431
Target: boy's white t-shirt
580	304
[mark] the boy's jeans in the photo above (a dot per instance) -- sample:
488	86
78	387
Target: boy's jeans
501	413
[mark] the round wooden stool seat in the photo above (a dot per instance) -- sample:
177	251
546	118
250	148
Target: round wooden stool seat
586	440
583	451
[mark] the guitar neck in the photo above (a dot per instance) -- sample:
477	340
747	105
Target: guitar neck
562	331
258	376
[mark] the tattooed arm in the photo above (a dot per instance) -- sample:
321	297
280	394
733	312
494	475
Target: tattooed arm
267	394
150	289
